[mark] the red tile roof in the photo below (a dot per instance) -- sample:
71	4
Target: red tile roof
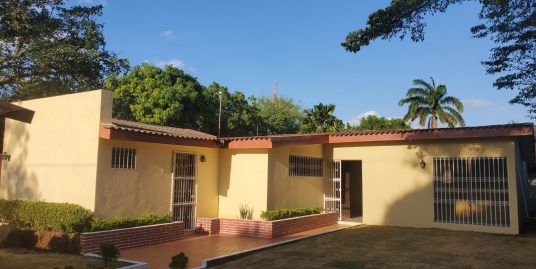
506	130
153	129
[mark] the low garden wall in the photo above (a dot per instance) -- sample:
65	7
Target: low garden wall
264	228
132	237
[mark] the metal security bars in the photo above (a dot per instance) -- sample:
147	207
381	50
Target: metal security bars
471	191
184	189
124	158
332	189
305	166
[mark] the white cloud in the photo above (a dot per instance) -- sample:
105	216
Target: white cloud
173	62
357	119
167	34
481	103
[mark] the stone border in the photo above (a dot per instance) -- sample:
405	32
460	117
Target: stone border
263	228
132	237
134	265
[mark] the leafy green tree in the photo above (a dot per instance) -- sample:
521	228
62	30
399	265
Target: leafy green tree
431	105
239	116
373	122
278	115
48	49
509	23
320	119
165	96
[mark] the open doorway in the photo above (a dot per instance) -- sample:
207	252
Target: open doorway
351	189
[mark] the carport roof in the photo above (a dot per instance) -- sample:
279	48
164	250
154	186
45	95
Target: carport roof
11	111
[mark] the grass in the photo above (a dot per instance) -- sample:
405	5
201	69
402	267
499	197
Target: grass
396	247
11	258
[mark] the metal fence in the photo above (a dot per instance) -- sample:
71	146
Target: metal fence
471	190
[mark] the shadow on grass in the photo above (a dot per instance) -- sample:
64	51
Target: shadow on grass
347	265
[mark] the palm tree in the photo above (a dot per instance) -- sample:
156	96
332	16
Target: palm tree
321	119
431	105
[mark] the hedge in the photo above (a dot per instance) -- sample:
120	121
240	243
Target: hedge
289	213
104	224
61	217
67	218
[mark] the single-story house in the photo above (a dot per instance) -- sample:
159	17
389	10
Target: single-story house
470	178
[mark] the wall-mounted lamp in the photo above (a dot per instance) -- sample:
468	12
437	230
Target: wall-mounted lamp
203	158
422	164
6	157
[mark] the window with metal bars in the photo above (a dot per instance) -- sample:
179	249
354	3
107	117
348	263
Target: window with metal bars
124	158
305	166
471	190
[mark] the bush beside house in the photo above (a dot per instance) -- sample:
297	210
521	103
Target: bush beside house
290	213
57	226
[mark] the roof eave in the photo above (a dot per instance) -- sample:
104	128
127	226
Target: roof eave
109	133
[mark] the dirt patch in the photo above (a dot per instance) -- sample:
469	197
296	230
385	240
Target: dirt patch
395	247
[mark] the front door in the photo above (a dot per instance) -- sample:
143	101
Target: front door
332	189
184	188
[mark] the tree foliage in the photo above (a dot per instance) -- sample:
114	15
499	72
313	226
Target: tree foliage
48	49
165	96
320	119
278	115
169	96
239	116
511	24
430	104
373	122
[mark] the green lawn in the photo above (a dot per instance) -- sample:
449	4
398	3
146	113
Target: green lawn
395	247
21	258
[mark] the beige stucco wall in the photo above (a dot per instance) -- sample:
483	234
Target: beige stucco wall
147	189
243	180
396	191
55	157
286	191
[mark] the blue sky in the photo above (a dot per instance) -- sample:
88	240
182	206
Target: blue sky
248	45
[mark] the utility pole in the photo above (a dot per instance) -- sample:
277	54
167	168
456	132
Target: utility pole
275	89
219	116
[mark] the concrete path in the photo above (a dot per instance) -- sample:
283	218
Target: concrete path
200	248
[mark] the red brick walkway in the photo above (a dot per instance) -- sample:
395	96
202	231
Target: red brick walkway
199	248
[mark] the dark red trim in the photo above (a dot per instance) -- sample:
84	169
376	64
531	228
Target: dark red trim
433	134
260	143
11	111
109	133
387	136
300	140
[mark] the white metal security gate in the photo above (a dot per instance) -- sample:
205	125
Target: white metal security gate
332	189
184	188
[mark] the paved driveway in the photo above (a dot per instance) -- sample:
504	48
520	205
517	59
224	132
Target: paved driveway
199	248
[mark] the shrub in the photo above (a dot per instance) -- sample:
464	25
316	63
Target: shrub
61	217
104	224
109	252
246	212
179	261
289	213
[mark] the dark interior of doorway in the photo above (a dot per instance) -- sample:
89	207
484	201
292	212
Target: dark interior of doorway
352	189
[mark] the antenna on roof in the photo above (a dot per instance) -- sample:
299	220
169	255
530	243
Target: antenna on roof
275	89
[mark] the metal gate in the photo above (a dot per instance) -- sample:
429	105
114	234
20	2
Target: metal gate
184	188
332	189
